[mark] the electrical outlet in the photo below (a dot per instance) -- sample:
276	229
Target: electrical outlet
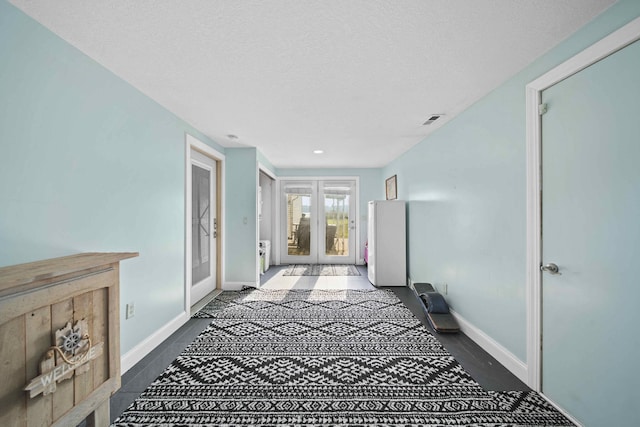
131	311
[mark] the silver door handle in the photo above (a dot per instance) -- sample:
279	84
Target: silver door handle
551	268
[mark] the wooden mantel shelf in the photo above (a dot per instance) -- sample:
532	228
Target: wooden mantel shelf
23	277
40	303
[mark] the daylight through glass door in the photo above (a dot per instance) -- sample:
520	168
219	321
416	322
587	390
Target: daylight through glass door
299	205
336	219
318	221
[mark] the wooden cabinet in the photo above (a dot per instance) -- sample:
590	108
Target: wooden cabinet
60	340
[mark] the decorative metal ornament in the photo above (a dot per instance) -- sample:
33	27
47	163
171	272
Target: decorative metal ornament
71	342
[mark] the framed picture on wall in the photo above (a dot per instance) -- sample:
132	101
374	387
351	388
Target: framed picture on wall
392	187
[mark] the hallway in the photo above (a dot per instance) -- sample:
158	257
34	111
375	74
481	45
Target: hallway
489	373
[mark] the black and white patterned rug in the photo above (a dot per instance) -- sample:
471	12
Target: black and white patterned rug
321	270
318	358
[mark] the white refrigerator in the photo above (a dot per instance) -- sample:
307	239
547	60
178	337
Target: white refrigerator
387	251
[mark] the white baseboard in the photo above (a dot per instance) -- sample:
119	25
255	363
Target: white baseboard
236	286
488	344
138	352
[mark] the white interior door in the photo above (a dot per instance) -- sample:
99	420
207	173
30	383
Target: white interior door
318	222
591	232
204	226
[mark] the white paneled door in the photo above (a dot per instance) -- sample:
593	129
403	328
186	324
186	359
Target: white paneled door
318	221
591	241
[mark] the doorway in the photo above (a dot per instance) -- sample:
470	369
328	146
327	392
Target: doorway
584	201
318	221
266	217
203	213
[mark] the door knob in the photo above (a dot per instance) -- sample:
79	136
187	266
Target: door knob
551	268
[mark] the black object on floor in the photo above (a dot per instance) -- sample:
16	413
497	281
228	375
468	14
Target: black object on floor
436	309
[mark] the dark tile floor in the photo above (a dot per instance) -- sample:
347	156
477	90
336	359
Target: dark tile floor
487	371
138	378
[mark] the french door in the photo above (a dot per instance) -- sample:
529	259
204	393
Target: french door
318	221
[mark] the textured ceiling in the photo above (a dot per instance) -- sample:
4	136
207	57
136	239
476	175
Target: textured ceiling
354	78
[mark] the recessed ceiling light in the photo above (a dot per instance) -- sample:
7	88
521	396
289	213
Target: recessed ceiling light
318	151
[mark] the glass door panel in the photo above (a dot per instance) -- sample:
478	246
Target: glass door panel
338	223
299	207
200	223
298	224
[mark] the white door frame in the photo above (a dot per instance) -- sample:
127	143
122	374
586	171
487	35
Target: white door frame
208	284
274	228
605	47
192	142
279	212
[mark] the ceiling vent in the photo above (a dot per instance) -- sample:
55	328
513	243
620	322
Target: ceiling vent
432	119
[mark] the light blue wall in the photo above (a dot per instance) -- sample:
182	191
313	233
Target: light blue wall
241	197
266	163
466	189
371	188
88	163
